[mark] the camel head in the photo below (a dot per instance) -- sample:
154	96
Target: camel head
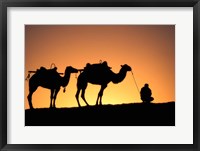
70	69
126	67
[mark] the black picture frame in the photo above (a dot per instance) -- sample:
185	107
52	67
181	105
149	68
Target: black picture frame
4	4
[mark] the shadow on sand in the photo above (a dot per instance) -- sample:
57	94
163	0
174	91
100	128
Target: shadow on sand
138	114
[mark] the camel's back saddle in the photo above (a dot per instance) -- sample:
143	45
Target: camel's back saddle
45	71
102	67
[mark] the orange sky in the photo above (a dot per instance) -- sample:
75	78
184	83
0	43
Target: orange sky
148	49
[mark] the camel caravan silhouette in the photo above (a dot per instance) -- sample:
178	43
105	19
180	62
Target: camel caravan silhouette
50	79
99	74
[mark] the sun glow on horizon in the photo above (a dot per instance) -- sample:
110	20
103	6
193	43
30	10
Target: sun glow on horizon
148	49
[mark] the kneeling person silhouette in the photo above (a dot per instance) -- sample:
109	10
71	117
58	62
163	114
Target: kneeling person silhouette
146	93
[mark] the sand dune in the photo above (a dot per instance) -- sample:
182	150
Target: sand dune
138	114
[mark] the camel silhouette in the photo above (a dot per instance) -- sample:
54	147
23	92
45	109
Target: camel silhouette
99	74
50	79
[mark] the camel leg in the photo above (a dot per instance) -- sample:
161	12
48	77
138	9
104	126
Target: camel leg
99	97
83	96
51	97
54	98
101	94
100	100
31	91
77	95
97	100
81	85
30	100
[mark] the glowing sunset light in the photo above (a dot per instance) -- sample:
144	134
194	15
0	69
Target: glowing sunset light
148	49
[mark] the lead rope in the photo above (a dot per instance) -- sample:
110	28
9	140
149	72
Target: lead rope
135	82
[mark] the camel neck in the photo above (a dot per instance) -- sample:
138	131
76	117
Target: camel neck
66	79
119	77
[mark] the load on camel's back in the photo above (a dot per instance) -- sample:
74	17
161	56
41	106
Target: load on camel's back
100	68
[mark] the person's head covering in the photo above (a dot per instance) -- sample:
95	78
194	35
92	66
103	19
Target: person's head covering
146	85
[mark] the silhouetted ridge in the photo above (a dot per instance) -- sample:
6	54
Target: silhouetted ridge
138	114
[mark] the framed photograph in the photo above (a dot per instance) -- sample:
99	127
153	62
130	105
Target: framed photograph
79	75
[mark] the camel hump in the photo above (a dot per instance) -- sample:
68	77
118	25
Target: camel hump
101	67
